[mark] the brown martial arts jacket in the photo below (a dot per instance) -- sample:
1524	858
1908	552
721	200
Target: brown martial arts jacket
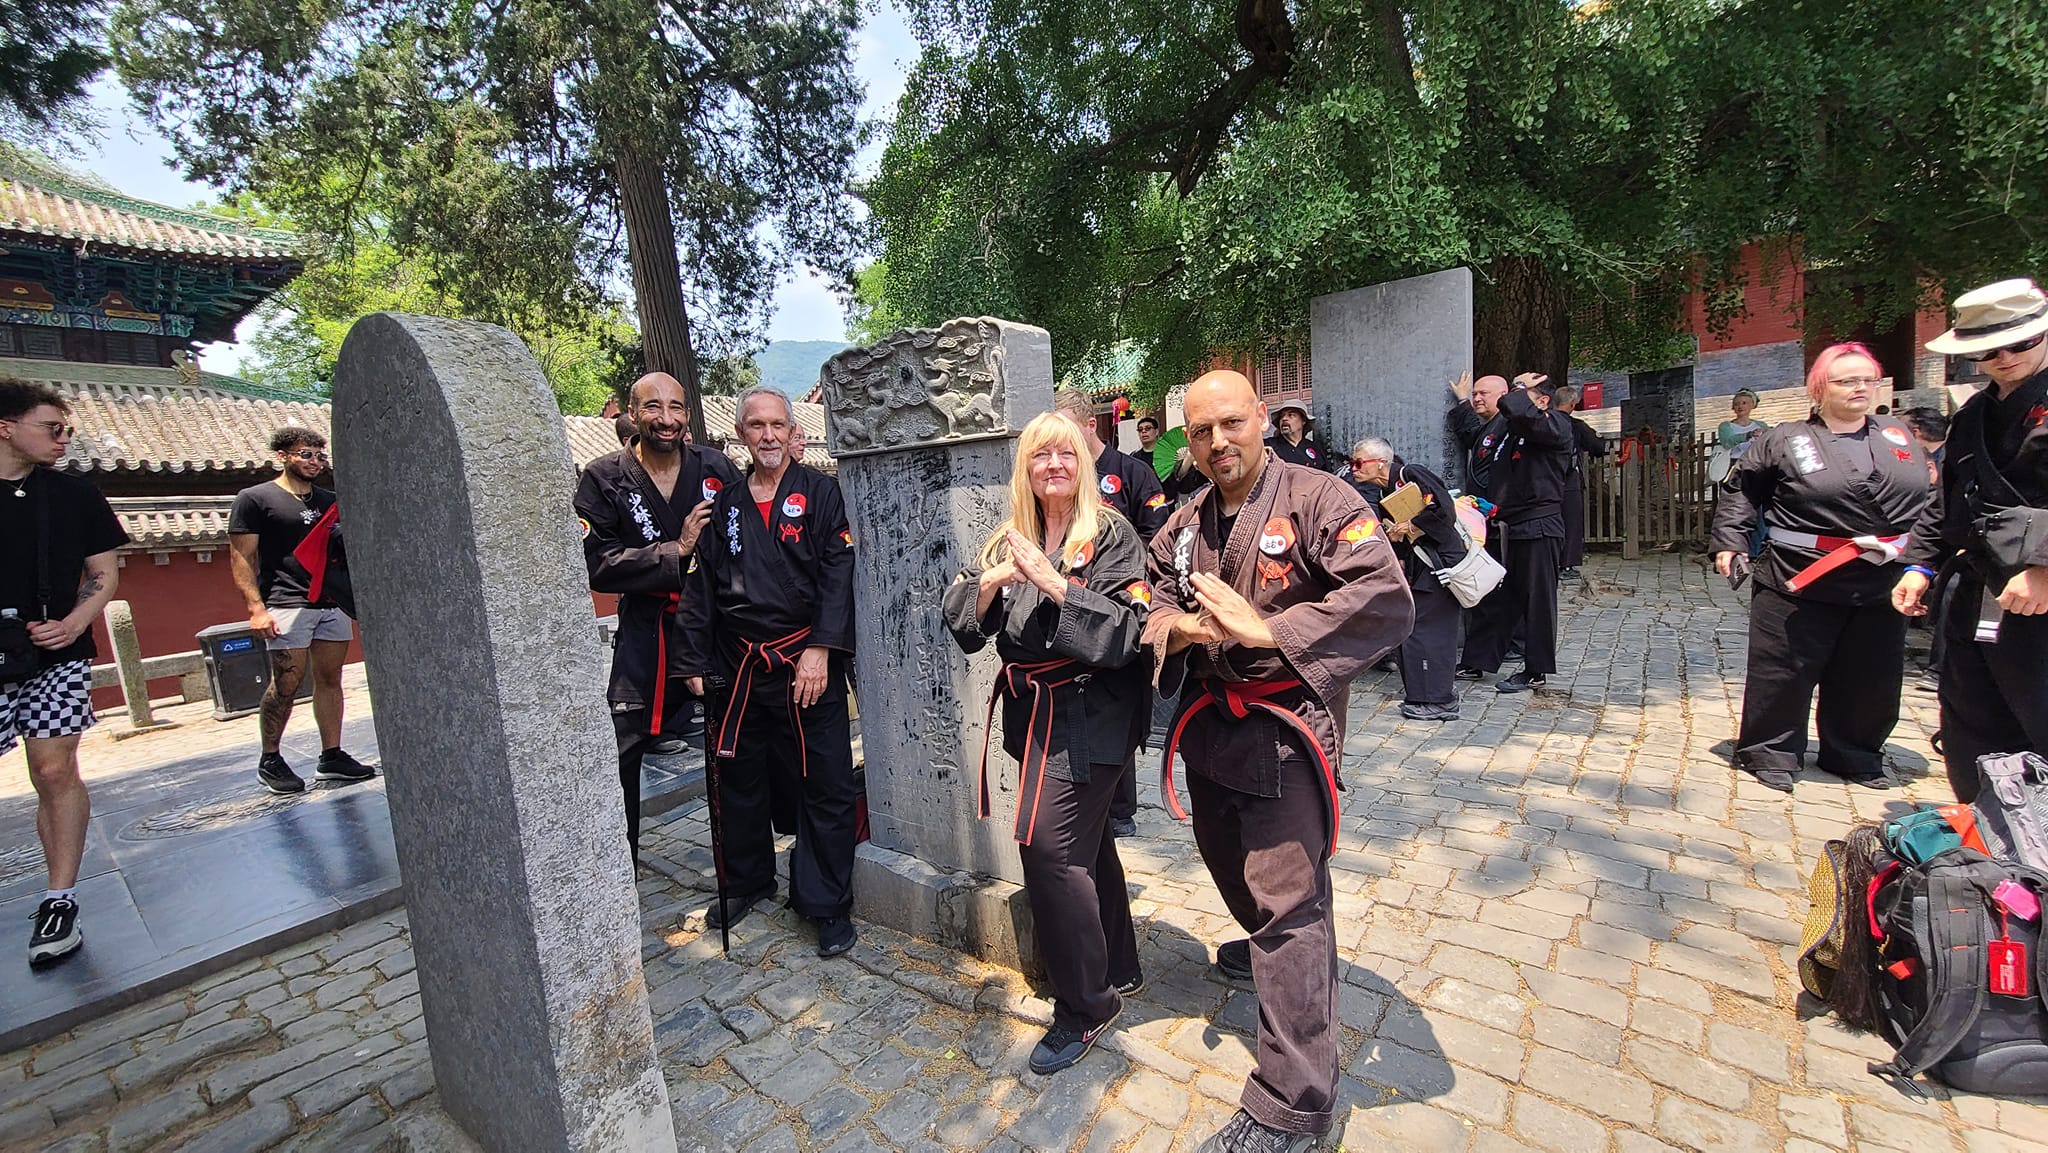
1310	557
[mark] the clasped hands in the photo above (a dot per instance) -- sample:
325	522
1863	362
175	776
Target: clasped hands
1225	615
1028	564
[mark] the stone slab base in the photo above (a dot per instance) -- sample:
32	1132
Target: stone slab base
985	917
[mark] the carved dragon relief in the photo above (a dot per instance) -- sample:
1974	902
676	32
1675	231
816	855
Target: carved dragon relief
920	386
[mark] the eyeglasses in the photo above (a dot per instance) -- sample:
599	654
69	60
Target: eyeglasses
55	429
2023	346
309	454
1856	382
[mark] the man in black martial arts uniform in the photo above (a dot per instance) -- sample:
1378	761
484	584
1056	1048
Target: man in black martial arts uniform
1272	590
641	510
1520	456
1429	542
1292	441
1131	487
770	612
1988	526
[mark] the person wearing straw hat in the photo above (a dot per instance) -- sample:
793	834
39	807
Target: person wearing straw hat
1987	532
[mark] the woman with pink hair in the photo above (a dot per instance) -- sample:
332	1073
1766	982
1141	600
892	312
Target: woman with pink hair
1837	495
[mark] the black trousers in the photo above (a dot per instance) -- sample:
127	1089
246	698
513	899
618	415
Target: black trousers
1994	697
1429	656
1080	906
774	782
1854	655
1267	856
631	729
1123	804
1527	597
1574	553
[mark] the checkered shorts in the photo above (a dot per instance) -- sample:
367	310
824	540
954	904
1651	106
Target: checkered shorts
56	702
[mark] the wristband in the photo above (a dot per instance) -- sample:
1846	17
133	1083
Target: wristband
1922	569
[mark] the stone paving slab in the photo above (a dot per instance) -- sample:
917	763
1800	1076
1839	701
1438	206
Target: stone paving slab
1563	926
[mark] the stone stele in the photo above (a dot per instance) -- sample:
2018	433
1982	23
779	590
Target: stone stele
1384	357
923	425
455	477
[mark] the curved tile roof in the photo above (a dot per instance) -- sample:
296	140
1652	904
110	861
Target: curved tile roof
39	197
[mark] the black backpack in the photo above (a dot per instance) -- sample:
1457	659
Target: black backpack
1939	930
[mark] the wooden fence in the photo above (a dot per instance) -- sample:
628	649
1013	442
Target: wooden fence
1657	496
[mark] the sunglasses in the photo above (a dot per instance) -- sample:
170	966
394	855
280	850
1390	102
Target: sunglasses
1362	461
2015	349
56	429
309	454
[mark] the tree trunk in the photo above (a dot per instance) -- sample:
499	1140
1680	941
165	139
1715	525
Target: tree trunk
1521	322
657	276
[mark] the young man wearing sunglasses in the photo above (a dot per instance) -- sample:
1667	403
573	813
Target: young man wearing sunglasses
266	524
57	572
1988	528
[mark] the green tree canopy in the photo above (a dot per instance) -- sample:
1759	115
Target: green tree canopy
1189	173
529	155
50	51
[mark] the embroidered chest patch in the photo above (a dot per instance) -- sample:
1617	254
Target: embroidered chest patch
1277	537
1806	456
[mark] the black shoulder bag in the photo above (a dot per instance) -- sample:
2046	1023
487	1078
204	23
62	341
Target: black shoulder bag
20	659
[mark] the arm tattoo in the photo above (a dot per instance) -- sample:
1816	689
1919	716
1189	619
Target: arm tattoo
91	588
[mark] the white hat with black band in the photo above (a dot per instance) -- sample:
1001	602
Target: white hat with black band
1992	317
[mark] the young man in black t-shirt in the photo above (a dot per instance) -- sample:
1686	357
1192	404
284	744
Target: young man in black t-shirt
58	588
266	524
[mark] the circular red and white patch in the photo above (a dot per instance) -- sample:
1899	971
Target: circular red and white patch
1896	435
793	505
712	487
1112	484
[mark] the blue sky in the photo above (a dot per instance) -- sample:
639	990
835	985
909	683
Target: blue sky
132	157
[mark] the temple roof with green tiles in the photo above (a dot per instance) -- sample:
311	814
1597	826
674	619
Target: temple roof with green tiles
88	273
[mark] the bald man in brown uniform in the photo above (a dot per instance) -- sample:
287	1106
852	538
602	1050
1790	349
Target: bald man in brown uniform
1275	587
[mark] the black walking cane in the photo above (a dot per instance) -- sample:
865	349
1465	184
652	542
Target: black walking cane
716	693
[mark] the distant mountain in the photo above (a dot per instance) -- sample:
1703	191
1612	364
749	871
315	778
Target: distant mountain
792	365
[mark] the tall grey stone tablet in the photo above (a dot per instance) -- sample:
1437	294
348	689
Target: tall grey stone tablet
455	485
922	424
1383	358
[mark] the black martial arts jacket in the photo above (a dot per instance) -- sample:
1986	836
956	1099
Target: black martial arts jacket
1097	627
1439	524
1310	557
761	582
1129	486
1586	441
2010	437
629	545
1797	476
1308	453
1524	452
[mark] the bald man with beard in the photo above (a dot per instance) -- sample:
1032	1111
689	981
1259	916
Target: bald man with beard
640	511
1274	588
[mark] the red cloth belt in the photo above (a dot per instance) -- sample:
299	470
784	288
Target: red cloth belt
1040	678
1239	698
769	656
669	606
1838	551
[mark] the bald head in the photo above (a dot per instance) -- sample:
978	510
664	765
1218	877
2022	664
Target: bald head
1486	394
1226	425
660	411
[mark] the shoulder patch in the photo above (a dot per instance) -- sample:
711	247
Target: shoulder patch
583	525
846	537
1158	500
1140	592
1358	531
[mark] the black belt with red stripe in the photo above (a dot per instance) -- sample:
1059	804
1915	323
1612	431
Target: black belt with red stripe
762	656
670	604
1238	699
1042	679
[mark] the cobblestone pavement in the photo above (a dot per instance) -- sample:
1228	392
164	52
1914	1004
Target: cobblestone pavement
1564	926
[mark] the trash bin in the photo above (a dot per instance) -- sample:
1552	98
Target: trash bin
238	670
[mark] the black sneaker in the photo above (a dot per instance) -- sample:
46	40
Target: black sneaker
277	776
734	908
1063	1045
336	765
1130	988
1245	1135
56	934
1929	682
1570	574
1234	958
1468	673
1415	712
1520	682
835	936
1123	827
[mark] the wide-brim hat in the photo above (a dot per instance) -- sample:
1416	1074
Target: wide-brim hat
1994	316
1296	405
